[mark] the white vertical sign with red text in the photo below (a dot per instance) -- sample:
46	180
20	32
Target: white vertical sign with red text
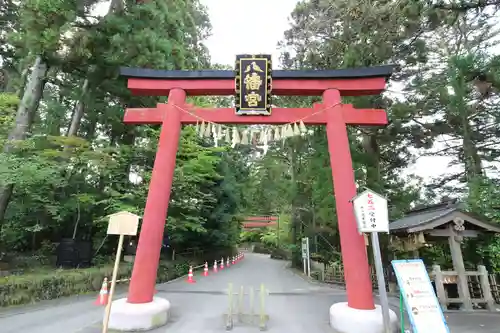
371	212
372	217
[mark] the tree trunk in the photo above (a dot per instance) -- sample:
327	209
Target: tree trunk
372	149
24	120
78	111
117	6
472	160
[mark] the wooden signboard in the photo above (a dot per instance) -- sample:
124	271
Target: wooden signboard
122	224
253	84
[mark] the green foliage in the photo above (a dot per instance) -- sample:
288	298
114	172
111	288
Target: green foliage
249	237
439	80
8	106
65	186
262	248
42	23
269	238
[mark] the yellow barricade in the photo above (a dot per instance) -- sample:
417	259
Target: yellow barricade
236	307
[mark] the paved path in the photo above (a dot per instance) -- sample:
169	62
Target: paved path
294	305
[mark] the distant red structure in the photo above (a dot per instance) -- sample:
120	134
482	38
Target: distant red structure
251	222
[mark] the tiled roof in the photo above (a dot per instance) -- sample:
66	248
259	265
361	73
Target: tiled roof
424	215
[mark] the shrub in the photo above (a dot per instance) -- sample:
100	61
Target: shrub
280	254
31	288
261	248
171	270
52	284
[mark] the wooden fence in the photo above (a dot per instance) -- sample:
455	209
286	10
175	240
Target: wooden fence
335	274
479	288
495	286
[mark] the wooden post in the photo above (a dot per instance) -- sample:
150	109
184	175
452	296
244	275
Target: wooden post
485	287
113	284
392	287
438	281
459	267
122	224
494	287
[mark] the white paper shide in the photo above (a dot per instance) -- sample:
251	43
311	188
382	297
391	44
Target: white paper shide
371	212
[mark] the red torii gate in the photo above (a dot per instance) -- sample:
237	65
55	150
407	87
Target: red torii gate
330	84
251	222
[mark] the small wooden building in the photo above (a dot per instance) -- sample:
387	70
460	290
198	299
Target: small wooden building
447	220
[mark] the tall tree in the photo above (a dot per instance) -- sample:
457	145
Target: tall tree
69	176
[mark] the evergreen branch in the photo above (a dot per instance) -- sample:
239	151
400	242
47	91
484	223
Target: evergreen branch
465	6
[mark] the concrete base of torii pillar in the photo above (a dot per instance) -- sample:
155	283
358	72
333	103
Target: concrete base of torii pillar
344	319
128	317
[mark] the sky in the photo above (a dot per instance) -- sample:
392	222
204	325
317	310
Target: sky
235	31
251	37
229	39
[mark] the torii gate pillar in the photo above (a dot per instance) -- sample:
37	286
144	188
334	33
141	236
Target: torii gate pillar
141	310
364	316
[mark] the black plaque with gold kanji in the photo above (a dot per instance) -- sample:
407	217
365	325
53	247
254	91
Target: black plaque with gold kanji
253	83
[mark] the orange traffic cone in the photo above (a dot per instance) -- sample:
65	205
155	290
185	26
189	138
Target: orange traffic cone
103	297
190	275
205	270
215	266
222	263
228	264
232	263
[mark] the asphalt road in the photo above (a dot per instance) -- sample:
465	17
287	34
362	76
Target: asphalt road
294	305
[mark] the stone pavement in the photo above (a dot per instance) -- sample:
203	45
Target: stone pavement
294	305
473	322
468	322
